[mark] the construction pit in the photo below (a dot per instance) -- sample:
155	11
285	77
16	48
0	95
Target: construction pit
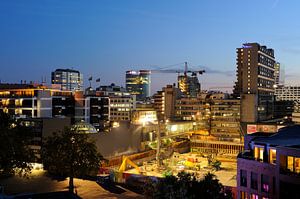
190	163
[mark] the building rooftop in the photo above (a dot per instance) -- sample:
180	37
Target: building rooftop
66	70
287	136
18	86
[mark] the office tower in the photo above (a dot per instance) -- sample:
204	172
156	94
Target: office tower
67	79
255	82
138	83
189	85
269	167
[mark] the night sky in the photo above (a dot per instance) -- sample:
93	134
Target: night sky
104	38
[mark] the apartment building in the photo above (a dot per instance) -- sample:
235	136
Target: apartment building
269	167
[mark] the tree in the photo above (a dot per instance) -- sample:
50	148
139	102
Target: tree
216	165
69	154
15	154
186	185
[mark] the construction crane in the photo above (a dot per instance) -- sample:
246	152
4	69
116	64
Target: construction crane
178	71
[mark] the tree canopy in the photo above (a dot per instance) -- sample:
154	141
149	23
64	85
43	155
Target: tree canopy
186	185
70	154
15	154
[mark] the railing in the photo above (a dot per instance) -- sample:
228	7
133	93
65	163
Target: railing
246	155
286	171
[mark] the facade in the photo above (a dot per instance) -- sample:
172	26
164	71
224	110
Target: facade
216	117
92	108
277	74
217	114
35	101
121	102
121	108
189	85
164	102
289	93
270	165
255	82
138	83
112	90
67	79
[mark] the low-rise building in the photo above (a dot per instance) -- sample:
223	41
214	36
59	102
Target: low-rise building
270	165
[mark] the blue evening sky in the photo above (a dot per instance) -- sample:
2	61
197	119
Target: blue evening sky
104	38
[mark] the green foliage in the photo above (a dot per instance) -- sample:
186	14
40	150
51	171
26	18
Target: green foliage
216	165
71	155
15	155
186	186
167	173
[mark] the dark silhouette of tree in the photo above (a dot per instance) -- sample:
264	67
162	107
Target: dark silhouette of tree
69	154
186	186
15	154
216	165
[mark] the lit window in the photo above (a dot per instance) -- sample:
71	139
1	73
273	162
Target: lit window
244	195
254	196
259	153
297	165
272	156
290	163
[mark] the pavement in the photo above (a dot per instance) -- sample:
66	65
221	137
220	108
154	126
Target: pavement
38	182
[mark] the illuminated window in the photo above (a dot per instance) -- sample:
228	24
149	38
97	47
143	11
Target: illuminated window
253	196
244	195
272	156
297	165
290	163
259	153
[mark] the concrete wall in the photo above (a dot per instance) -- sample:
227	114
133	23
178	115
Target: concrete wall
121	140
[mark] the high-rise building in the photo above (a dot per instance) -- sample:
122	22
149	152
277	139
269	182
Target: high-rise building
269	167
277	73
189	85
255	82
67	79
138	83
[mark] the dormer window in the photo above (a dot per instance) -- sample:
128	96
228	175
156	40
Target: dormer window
259	153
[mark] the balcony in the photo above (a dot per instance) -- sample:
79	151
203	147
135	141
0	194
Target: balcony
286	171
246	155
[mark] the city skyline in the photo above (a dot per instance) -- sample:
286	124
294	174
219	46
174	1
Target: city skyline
95	38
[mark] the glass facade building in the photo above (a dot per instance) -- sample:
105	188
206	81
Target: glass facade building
68	79
138	83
